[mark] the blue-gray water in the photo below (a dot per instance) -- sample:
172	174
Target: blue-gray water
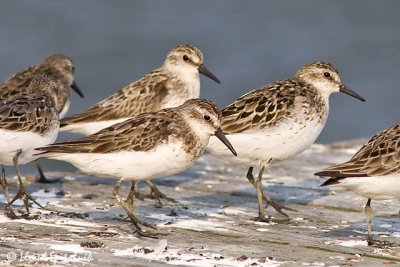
245	43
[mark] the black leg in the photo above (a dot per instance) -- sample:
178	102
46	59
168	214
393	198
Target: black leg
42	177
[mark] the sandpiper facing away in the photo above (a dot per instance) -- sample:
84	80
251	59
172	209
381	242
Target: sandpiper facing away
60	69
27	120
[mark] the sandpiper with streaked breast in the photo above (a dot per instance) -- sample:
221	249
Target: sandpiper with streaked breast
150	145
278	121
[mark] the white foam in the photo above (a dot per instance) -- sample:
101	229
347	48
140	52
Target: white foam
353	243
75	248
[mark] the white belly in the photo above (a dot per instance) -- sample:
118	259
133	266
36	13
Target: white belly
379	188
165	160
89	128
278	143
11	142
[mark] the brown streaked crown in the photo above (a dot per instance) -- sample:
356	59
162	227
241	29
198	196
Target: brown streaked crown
314	72
175	56
61	62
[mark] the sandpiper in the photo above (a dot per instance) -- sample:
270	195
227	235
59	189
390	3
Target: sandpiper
150	145
176	81
60	69
278	121
27	120
372	172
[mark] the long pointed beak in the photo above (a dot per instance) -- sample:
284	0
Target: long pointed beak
221	136
344	89
75	87
203	70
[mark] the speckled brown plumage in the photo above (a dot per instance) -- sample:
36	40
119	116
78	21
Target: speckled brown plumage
143	95
268	105
33	111
58	67
378	157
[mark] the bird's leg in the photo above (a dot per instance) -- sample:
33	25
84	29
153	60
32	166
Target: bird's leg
276	206
368	212
135	191
42	177
129	208
132	193
4	183
258	185
21	191
250	176
157	194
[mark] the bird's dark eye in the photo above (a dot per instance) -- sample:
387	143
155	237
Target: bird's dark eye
207	118
327	74
186	58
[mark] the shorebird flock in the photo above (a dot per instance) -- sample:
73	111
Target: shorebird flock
158	126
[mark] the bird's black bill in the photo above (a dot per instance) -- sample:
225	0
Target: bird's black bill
75	87
221	136
203	70
344	89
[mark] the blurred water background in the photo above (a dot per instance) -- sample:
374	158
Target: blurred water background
245	44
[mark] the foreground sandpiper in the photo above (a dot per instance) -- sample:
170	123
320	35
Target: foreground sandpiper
176	81
60	69
27	120
150	145
278	121
372	172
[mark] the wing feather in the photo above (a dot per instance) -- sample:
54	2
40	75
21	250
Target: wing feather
143	95
378	157
23	113
263	107
141	133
